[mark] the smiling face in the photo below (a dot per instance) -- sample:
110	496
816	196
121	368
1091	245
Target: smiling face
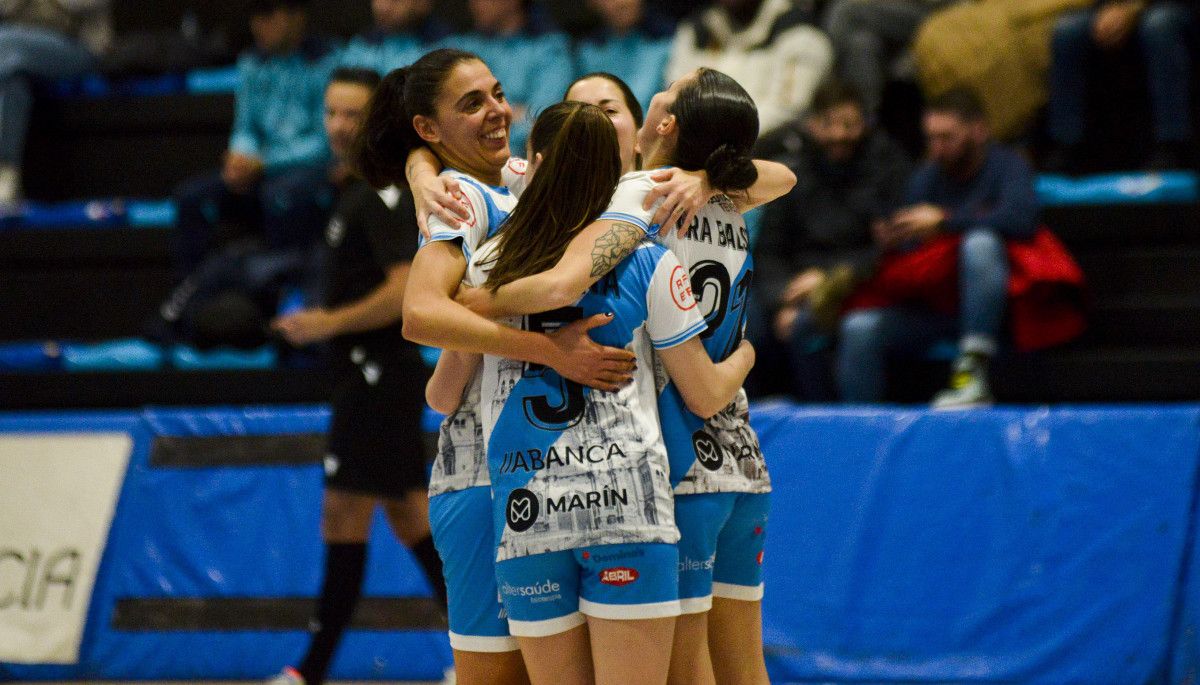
608	96
469	128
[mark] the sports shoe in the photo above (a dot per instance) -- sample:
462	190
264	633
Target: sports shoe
968	386
288	676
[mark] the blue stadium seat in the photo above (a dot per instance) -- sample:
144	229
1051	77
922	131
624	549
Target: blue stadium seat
127	354
1119	188
188	358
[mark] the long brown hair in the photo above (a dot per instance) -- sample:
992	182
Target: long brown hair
581	164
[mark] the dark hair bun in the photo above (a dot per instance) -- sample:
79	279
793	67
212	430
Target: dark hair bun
730	168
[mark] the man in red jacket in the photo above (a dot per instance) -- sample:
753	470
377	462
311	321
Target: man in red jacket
970	197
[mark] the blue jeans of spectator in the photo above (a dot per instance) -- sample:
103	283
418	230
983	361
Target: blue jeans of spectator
869	337
1162	34
291	205
30	53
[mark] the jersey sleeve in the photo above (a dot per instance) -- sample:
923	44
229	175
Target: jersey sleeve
672	315
472	230
626	204
514	177
391	224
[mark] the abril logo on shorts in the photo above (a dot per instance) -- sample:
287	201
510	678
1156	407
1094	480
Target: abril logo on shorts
522	510
619	576
708	452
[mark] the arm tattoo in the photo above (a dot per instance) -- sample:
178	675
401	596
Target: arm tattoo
610	248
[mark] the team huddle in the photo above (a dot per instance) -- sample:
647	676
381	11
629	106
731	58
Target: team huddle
599	500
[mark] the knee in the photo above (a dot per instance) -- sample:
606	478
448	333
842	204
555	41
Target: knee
981	246
860	330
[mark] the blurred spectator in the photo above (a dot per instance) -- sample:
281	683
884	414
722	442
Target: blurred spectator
970	197
275	180
404	30
41	39
1000	49
634	44
526	53
816	242
765	45
870	36
1160	29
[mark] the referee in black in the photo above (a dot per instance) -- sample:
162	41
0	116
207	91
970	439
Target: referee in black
374	454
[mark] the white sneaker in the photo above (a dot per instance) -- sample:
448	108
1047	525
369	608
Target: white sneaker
968	387
288	676
10	186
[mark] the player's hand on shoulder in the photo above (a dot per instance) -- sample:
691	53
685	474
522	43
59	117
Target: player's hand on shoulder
683	194
439	196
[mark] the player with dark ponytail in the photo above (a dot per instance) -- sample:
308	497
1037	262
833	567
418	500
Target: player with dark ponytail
704	121
449	102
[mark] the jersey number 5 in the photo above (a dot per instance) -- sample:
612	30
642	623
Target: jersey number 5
539	410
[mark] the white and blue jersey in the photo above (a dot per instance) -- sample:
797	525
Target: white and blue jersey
571	466
461	462
721	454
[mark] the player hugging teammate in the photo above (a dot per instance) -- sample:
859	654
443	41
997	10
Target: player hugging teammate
588	454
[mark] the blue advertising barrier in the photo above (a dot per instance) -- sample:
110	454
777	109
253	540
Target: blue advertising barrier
228	531
1007	545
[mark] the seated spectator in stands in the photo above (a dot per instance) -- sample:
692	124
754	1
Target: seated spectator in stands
404	30
634	44
816	242
870	36
41	39
765	45
972	194
275	179
526	53
1161	31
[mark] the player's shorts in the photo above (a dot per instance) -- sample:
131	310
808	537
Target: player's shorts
550	593
721	539
461	523
375	442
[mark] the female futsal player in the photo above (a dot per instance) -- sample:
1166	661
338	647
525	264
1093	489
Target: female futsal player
580	481
449	101
703	121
